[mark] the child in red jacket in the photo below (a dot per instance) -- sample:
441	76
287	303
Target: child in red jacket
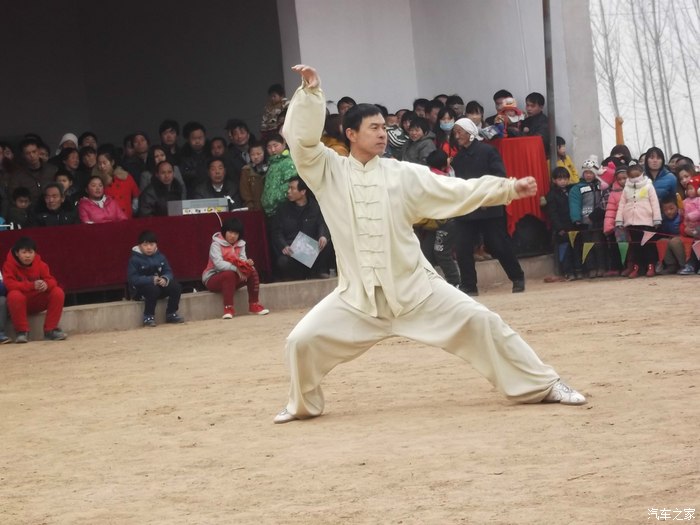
31	289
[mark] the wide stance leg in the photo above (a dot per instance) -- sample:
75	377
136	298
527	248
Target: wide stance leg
456	323
333	332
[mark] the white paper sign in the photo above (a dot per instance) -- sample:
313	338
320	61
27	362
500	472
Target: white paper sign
305	249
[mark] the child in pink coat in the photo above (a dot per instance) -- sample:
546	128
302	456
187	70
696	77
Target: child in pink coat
612	235
638	212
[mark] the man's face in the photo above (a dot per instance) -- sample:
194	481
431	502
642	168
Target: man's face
293	193
196	140
31	156
370	139
419	111
239	136
53	199
89	140
670	210
44	154
73	161
165	173
64	181
532	109
433	116
90	159
140	145
217	172
218	148
168	137
275	98
499	103
462	137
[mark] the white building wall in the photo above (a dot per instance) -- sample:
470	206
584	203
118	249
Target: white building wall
393	51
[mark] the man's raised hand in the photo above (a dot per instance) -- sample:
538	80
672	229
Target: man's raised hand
308	75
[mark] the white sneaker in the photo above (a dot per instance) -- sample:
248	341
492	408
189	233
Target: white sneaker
284	416
564	394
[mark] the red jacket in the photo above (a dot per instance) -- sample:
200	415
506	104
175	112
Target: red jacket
21	278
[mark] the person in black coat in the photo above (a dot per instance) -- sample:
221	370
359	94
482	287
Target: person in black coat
163	188
473	160
53	209
557	209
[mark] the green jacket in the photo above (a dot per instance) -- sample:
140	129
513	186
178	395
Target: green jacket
279	173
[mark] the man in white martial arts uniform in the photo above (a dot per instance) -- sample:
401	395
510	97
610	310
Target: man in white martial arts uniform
385	285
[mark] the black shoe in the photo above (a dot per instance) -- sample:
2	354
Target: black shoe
174	318
519	285
55	335
149	321
471	292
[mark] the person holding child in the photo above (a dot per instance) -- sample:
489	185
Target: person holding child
639	212
32	289
229	269
151	278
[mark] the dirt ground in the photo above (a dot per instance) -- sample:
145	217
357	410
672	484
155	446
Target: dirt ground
173	425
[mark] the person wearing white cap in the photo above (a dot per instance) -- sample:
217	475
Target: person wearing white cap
69	140
473	160
386	287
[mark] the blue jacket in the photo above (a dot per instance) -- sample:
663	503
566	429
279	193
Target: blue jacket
671	226
665	183
142	268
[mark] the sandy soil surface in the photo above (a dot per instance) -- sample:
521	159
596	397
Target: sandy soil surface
173	425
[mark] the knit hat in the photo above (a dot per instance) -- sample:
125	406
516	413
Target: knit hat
510	104
68	136
695	182
397	137
591	164
469	126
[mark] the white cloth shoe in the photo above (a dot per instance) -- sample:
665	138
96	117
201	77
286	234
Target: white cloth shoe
564	394
284	416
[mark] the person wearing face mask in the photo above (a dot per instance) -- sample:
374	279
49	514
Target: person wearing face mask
443	132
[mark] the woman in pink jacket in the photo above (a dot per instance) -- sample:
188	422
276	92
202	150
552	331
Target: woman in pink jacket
639	211
98	207
613	236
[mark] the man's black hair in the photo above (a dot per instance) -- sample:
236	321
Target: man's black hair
147	236
454	99
275	137
234	123
421	102
301	185
86	134
24	243
535	98
60	172
56	185
434	104
212	160
355	115
346	100
232	225
65	152
169	124
276	88
560	141
191	126
501	93
85	150
28	141
669	199
383	110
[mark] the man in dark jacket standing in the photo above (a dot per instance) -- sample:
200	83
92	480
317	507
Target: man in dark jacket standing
473	160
